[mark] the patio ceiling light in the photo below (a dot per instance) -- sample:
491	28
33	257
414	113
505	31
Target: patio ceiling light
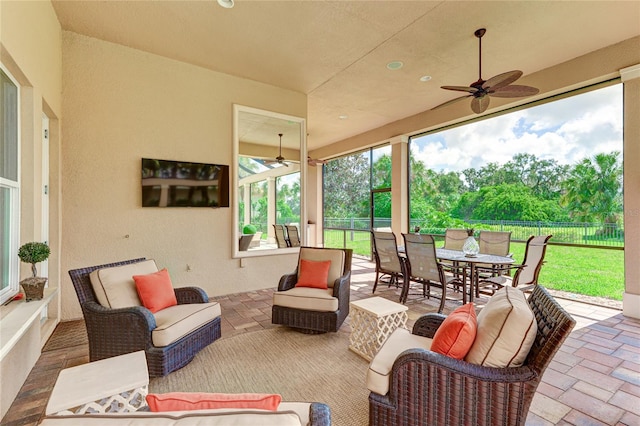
227	4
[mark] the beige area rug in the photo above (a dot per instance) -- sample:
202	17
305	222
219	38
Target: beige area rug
300	367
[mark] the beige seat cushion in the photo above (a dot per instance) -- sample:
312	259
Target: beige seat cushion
176	321
307	298
182	418
379	371
114	287
318	255
506	331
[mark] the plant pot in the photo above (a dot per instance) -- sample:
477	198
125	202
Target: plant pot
245	240
33	288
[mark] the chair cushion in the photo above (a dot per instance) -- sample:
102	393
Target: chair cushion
307	298
174	322
457	332
313	274
186	401
335	256
380	367
114	287
155	290
506	331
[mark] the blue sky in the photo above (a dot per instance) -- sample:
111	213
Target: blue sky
567	131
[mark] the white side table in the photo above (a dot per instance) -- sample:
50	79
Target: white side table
117	384
372	321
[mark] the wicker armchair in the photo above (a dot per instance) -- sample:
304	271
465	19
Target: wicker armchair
427	388
299	308
113	332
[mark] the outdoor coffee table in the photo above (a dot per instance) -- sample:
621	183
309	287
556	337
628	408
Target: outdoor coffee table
372	321
117	384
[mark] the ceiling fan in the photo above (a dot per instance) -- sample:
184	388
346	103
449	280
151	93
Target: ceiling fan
279	159
499	86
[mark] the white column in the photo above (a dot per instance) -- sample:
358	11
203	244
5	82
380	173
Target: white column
246	198
271	207
399	186
631	298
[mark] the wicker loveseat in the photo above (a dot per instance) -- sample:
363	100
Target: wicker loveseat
113	332
428	388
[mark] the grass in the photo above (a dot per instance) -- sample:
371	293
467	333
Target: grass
582	270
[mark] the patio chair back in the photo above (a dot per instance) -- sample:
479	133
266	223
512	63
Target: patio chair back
281	238
533	261
421	257
494	242
294	236
454	238
385	250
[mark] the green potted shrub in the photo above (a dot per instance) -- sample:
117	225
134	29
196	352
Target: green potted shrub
33	253
248	231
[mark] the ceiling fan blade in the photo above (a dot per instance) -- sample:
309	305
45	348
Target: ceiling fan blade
460	88
454	100
514	91
502	80
480	105
314	161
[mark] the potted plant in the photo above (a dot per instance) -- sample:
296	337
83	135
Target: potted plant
33	253
248	232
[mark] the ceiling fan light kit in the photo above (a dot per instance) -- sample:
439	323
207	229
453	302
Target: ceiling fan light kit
498	86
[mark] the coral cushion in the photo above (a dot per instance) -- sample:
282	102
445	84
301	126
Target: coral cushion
184	401
155	290
313	274
457	332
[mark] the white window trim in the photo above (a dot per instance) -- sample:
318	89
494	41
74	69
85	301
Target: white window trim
14	196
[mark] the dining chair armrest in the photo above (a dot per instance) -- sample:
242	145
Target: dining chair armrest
427	324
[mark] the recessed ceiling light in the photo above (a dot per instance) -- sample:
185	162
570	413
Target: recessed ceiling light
227	4
395	65
425	78
343	117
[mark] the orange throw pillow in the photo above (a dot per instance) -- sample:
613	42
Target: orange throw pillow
313	274
184	401
155	290
457	332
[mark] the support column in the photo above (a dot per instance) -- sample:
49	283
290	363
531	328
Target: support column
246	199
631	298
271	207
399	186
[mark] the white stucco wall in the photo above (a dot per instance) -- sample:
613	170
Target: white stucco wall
122	104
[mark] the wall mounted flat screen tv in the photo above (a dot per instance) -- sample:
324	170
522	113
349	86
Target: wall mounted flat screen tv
184	184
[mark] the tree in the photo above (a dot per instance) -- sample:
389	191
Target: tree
593	189
346	187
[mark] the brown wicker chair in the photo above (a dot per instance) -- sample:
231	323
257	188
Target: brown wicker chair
427	388
311	321
113	332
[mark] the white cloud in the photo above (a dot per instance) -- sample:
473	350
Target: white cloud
567	131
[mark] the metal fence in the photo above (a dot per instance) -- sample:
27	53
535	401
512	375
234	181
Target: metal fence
354	232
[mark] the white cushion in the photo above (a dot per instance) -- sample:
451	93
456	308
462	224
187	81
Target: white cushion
307	298
114	287
506	331
400	340
318	255
182	418
174	322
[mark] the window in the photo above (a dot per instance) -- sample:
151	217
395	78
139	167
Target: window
9	187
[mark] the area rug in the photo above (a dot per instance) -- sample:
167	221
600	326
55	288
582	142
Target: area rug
298	366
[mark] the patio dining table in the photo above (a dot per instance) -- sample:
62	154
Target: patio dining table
457	256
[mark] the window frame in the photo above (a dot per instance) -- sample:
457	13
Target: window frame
13	186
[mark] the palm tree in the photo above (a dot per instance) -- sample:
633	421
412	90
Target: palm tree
593	190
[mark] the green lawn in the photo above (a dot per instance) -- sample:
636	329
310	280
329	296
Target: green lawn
583	270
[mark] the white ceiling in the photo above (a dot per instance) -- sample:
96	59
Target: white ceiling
336	51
